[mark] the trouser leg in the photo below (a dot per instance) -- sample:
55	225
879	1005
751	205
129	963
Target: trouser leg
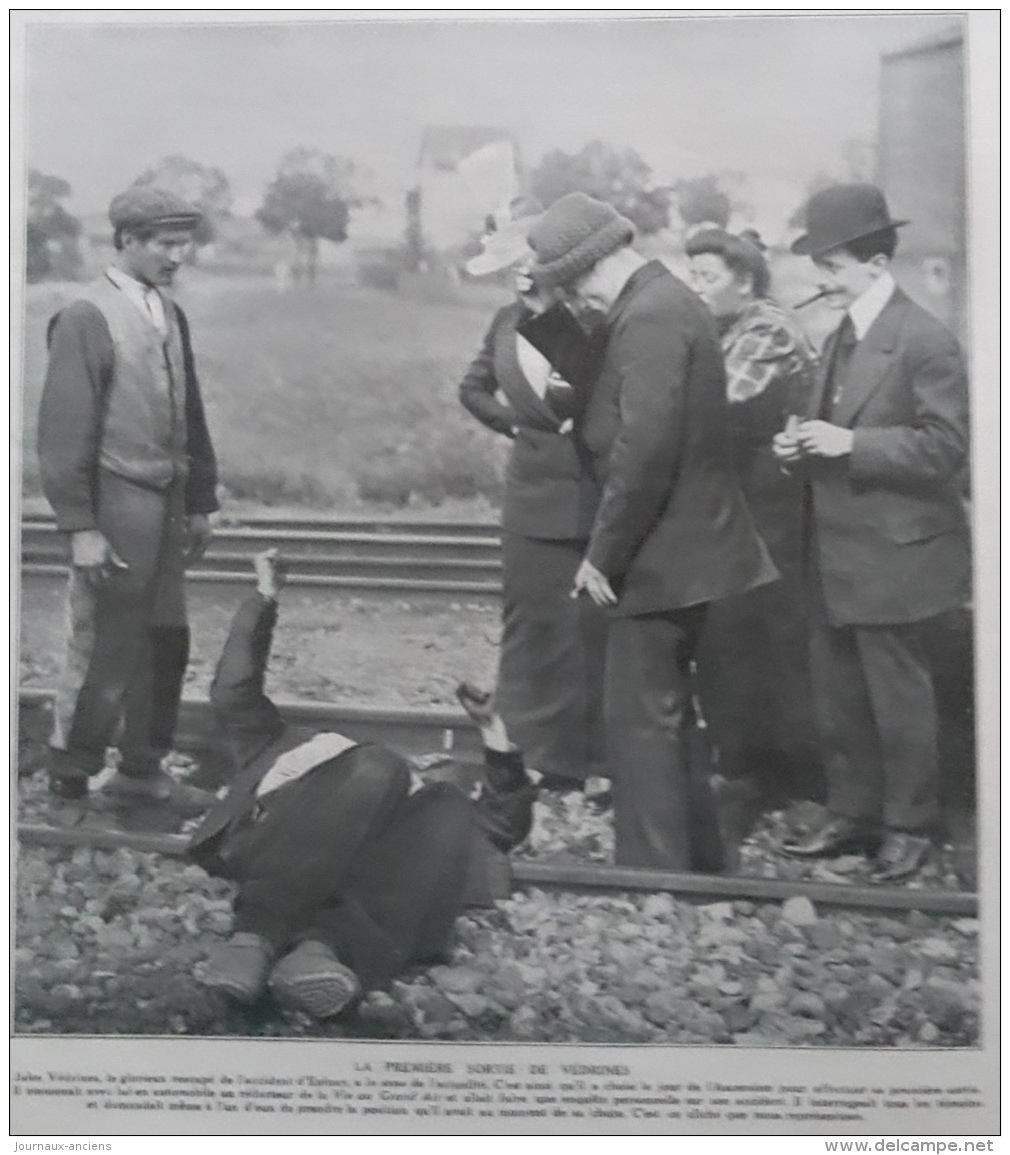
647	696
736	698
302	852
904	708
851	746
593	626
109	623
151	709
407	890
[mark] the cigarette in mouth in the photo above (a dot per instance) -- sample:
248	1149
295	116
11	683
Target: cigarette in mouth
816	297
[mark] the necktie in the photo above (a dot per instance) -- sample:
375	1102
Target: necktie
152	299
844	347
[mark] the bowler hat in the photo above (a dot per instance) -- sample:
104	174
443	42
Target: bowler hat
504	241
843	213
575	233
146	206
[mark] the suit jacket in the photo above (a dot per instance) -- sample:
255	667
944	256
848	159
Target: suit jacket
548	492
673	529
888	522
256	736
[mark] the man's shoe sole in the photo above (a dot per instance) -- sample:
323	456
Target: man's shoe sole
849	846
322	995
241	993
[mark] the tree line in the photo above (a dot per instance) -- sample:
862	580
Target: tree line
313	195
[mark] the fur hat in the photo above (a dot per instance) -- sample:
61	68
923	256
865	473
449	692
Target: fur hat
843	213
575	233
145	206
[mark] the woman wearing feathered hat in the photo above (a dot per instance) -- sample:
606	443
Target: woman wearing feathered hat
551	649
881	446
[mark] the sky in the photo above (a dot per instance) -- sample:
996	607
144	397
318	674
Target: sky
776	97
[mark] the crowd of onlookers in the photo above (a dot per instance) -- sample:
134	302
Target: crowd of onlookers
747	526
707	532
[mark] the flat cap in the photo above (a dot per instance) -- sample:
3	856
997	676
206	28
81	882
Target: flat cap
146	205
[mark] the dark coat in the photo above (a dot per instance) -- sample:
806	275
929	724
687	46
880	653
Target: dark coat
672	529
255	736
548	493
889	522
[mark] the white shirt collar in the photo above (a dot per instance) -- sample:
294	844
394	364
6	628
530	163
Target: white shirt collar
868	306
147	298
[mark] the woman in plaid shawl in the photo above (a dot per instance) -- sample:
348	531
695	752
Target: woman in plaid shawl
752	663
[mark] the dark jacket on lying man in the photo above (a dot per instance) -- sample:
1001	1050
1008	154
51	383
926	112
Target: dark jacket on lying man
327	838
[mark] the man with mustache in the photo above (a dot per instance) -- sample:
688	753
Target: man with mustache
128	467
882	446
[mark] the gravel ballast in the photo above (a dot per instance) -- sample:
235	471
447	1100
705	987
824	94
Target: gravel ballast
109	943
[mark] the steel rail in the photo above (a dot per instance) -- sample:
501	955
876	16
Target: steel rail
384	587
49	543
414	561
420	731
370	523
588	878
411	730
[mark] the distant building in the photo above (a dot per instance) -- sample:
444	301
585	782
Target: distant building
465	172
921	166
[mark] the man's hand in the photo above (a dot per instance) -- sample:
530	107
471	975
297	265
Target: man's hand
589	578
198	535
91	551
269	570
785	447
822	439
479	705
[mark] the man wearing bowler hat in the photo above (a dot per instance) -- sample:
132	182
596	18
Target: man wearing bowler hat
128	467
881	445
672	531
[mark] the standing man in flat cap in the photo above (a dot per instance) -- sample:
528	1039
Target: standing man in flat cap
128	467
882	446
672	532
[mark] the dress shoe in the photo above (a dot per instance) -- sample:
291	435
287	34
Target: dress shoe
901	856
238	967
311	978
69	772
598	794
837	836
68	787
158	789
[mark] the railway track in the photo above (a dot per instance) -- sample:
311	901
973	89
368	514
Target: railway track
415	731
381	558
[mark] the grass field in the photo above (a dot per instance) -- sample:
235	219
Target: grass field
337	394
326	395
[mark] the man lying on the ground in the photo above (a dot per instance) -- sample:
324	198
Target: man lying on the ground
346	872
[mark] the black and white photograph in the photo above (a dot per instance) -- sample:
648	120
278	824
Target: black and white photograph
499	580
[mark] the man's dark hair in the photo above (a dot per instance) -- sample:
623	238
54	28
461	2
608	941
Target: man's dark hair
866	248
141	232
743	255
